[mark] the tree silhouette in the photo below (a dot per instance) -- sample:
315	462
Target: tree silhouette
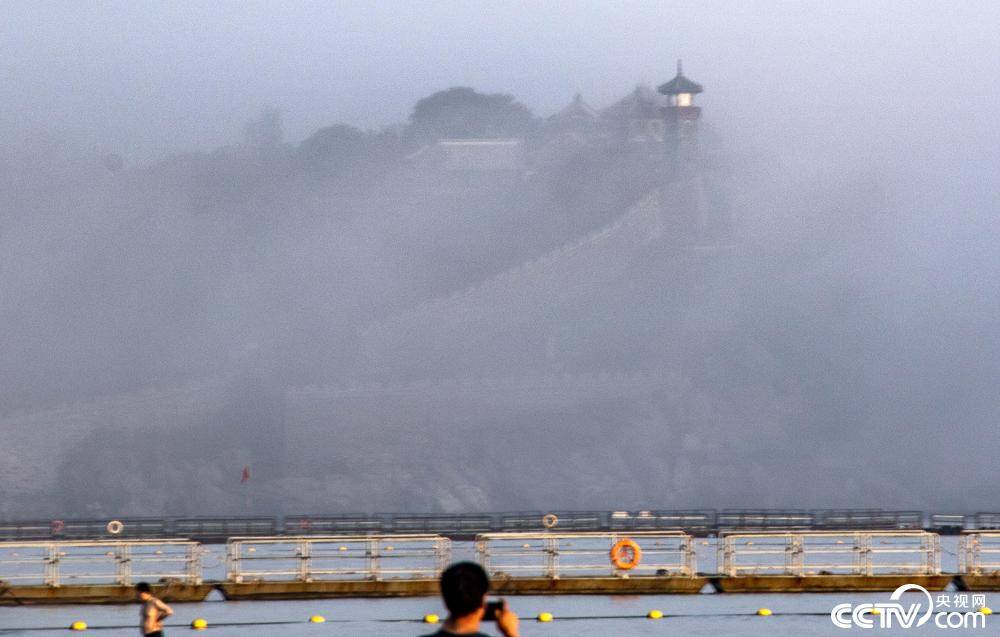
333	145
461	112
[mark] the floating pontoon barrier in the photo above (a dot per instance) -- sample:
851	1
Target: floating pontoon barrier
979	561
582	563
334	566
99	572
829	561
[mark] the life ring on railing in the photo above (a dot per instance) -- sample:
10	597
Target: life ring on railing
58	526
626	554
115	527
550	520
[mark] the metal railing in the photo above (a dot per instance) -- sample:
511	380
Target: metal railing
104	562
987	521
764	519
839	519
315	558
691	521
132	528
697	522
206	529
344	524
556	555
565	521
458	524
979	553
830	553
947	522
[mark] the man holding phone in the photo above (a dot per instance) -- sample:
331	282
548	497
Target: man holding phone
464	586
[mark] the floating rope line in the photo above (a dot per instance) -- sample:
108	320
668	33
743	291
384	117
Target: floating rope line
289	622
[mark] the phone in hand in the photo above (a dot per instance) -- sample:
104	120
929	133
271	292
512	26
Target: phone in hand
493	610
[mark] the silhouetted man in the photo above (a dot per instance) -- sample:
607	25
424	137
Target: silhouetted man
152	613
464	587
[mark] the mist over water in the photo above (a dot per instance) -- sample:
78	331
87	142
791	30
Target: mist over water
229	238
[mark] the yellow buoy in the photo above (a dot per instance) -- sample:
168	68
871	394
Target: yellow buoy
78	625
199	624
545	617
986	610
763	612
655	614
343	548
317	619
431	618
875	611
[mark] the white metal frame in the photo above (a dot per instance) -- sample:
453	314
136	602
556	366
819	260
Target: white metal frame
336	557
556	555
864	553
112	561
979	553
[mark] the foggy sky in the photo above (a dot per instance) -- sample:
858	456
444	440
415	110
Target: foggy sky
856	146
146	78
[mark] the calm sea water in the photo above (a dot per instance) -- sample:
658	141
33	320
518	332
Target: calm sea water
795	615
686	615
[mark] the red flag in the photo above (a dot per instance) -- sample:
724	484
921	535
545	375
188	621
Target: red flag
246	475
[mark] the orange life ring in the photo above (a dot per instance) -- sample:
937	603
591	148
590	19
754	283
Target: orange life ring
626	554
549	520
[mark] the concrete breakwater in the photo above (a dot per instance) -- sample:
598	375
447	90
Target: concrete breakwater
530	563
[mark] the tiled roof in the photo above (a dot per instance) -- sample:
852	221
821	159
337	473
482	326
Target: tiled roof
680	84
577	109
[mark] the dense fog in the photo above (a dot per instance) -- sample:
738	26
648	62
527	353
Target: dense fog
251	260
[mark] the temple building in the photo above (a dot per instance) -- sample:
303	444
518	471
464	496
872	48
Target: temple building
577	113
645	117
638	117
680	114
